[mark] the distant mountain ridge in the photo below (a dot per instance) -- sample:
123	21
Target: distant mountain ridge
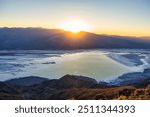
55	39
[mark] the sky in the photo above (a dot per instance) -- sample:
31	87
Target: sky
115	17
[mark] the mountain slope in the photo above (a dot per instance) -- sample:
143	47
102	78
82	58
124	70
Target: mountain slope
74	87
43	39
27	81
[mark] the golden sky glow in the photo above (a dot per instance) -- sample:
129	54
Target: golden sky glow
115	17
74	26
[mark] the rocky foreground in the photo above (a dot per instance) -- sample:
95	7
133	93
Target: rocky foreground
71	87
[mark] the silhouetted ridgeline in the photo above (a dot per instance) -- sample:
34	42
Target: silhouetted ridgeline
42	39
27	81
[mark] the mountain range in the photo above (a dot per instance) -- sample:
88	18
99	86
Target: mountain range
56	39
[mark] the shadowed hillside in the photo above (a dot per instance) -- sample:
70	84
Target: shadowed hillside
72	87
42	39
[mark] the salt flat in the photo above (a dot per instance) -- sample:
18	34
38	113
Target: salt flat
103	64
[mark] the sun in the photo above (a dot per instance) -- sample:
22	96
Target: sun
74	26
